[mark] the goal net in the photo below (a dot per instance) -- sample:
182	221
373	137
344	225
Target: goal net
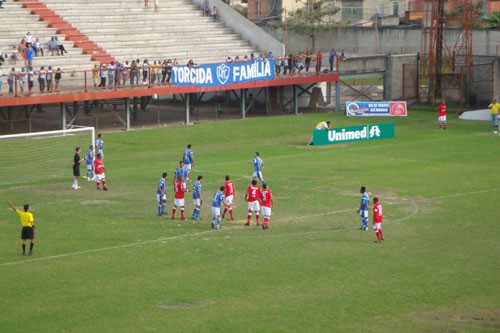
42	157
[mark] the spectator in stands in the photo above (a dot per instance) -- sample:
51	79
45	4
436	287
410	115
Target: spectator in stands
95	75
30	53
157	6
60	46
102	75
319	60
125	69
57	78
1	81
31	74
37	47
229	59
307	60
138	71
331	58
154	72
145	3
48	78
111	74
28	39
214	13
169	70
163	71
21	79
206	8
11	77
175	62
291	68
342	55
133	68
41	79
145	70
252	57
2	59
118	72
191	63
300	62
1	2
53	46
14	54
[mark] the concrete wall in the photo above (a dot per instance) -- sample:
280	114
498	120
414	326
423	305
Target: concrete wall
248	30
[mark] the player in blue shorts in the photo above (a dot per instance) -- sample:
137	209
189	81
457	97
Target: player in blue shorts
98	146
258	166
187	158
197	198
89	159
180	172
216	203
363	208
161	194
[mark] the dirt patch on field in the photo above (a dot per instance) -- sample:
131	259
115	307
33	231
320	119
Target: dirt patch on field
183	304
489	319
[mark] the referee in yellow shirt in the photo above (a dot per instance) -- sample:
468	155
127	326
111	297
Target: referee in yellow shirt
495	107
28	222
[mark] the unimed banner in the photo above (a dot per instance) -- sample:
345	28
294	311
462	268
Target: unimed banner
364	109
353	133
221	74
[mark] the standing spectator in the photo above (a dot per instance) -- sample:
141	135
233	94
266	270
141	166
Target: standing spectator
1	81
161	194
308	59
99	143
179	190
163	71
217	200
138	71
145	3
11	77
99	173
319	60
145	70
494	106
60	46
57	78
111	74
363	208
14	54
442	115
169	70
300	62
197	198
331	58
103	75
89	160
133	68
31	74
157	6
377	220
125	69
252	197
258	166
118	73
95	75
37	47
76	168
154	72
28	39
30	54
1	3
21	79
230	194
48	78
188	159
342	55
266	201
41	79
28	223
2	59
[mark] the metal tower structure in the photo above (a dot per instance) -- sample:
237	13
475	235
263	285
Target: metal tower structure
440	56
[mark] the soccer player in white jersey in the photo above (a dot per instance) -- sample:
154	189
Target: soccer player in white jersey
363	208
161	194
258	166
217	200
197	198
89	159
188	160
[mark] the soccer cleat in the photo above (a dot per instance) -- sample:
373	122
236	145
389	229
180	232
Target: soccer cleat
98	188
30	253
105	189
213	225
263	228
247	224
78	187
382	238
258	224
217	227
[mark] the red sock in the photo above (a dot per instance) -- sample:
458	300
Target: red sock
104	184
173	212
249	217
224	214
381	234
98	184
257	217
182	213
231	213
266	220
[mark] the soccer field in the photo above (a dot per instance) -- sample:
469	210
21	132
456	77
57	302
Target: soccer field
105	262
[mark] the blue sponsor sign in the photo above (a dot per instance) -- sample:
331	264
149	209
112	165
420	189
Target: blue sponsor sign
391	109
221	74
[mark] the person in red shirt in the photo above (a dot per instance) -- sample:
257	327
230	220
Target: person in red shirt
377	220
442	115
319	60
99	173
252	197
266	200
230	194
179	190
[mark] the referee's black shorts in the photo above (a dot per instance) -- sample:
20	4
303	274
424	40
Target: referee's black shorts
27	233
76	170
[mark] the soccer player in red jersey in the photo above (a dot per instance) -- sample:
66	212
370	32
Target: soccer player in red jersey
99	173
252	197
442	115
266	200
377	220
230	194
179	190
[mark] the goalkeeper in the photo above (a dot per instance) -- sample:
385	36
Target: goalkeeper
28	222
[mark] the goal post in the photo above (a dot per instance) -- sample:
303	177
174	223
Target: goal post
41	157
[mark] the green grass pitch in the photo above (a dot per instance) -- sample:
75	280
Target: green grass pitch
104	262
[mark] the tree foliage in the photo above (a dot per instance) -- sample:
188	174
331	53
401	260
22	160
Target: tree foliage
492	20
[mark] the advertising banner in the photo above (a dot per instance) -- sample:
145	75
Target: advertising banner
221	74
353	133
367	109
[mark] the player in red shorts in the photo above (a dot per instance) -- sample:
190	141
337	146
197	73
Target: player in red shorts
230	195
99	173
377	220
252	197
179	190
266	201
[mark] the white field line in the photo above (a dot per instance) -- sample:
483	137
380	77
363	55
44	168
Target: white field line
413	202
